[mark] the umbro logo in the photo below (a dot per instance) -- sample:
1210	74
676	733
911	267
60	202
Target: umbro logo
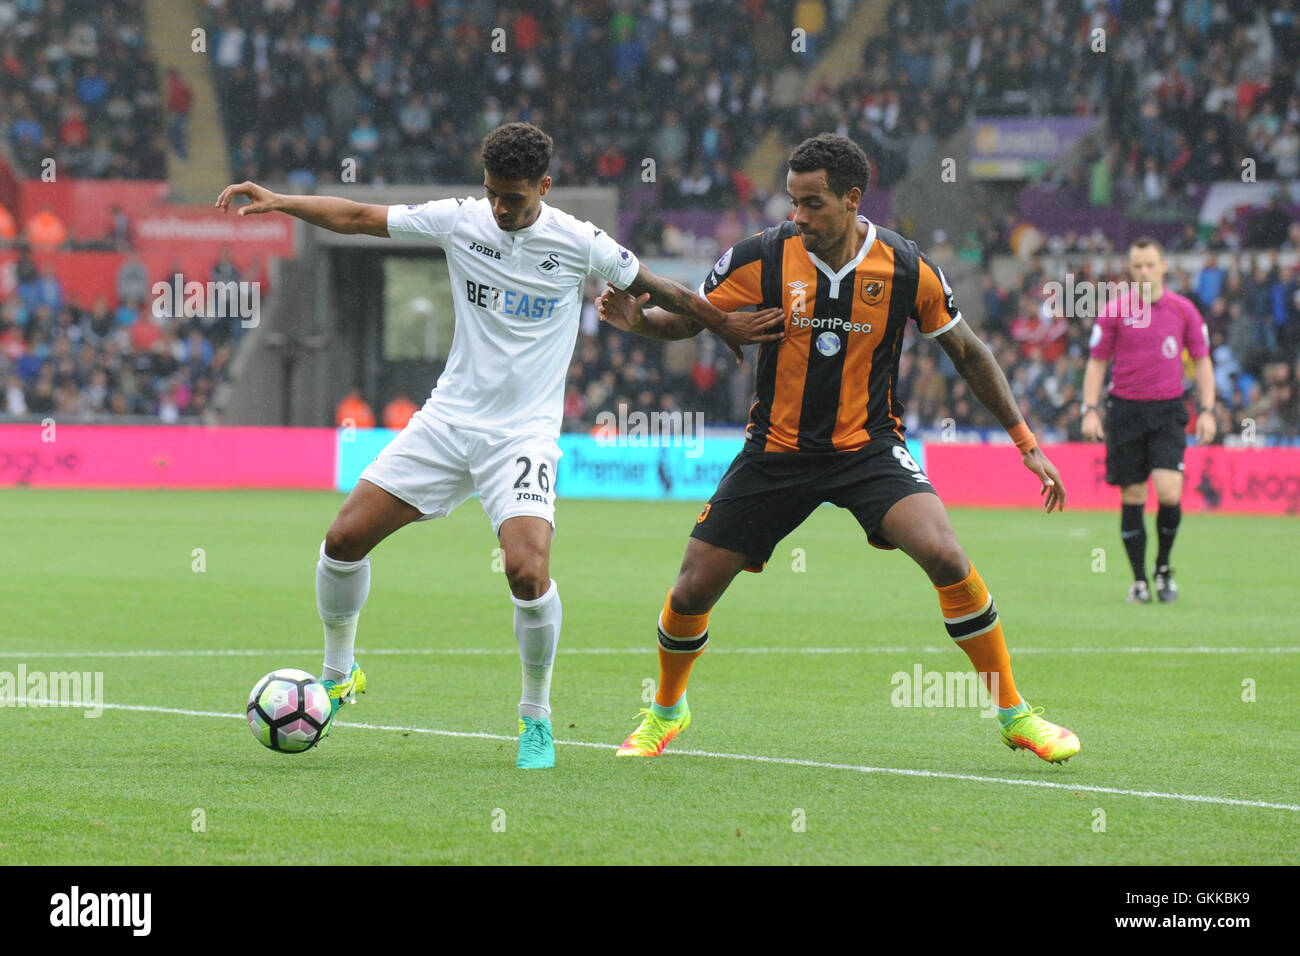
549	264
798	297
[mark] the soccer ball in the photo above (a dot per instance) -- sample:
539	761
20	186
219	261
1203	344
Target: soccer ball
287	710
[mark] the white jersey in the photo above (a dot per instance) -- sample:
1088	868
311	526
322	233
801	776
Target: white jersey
517	299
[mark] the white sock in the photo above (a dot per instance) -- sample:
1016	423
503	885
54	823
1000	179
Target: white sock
537	629
341	589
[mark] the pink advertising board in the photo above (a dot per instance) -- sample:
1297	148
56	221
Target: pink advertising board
1258	480
105	456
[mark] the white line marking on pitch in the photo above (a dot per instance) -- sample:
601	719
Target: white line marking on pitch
648	649
752	758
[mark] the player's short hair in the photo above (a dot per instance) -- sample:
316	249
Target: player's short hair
1148	242
844	161
518	151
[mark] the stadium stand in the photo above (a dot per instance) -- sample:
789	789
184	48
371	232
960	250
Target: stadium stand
408	89
79	85
60	357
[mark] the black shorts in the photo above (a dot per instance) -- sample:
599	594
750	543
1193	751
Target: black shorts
766	495
1141	436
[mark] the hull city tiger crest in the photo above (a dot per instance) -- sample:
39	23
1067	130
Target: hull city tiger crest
871	290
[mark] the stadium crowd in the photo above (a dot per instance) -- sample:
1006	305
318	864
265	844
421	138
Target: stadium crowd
1199	88
409	90
1253	318
79	85
921	78
61	357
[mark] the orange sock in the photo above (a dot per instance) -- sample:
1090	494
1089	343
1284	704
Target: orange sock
972	621
682	638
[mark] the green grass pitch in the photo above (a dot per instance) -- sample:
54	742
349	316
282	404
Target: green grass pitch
1176	766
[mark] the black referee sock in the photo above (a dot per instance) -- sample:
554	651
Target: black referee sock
1167	519
1134	533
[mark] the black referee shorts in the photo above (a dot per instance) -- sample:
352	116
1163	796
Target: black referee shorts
766	495
1141	436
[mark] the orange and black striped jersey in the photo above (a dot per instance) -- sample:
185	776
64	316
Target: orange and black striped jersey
828	385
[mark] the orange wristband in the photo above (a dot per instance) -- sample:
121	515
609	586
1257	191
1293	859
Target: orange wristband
1023	437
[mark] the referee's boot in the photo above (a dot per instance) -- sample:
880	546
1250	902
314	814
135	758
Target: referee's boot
1139	593
1166	589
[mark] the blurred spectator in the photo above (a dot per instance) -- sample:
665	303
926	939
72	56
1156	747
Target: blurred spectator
120	229
810	16
1209	282
45	230
133	280
364	138
225	269
1285	152
180	99
575	405
45	290
353	410
145	333
8	227
610	164
1268	229
399	410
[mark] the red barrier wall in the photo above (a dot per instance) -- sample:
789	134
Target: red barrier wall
83	274
85	205
106	456
86	275
1259	480
206	227
169	238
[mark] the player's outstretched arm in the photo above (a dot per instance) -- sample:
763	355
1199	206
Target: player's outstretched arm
626	314
976	365
737	329
328	212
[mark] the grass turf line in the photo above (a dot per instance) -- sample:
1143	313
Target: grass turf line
114	571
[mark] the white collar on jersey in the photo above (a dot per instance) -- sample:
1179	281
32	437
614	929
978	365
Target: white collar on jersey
542	213
836	277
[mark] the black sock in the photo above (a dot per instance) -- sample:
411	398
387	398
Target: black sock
1167	519
1134	533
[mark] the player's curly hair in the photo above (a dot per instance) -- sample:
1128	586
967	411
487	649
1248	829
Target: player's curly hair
844	161
518	151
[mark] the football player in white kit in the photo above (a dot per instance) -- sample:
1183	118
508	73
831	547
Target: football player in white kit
490	426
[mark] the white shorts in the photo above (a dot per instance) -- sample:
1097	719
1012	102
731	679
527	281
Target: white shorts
434	466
